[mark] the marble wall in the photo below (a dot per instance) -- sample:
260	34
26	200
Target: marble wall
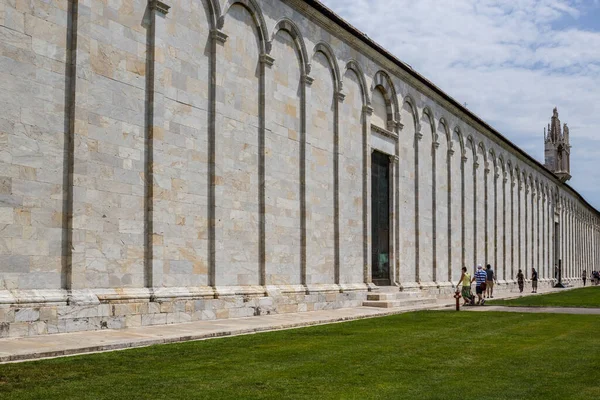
202	150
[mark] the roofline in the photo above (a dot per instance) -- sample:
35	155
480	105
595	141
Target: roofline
329	13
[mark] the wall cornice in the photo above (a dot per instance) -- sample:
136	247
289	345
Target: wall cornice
328	20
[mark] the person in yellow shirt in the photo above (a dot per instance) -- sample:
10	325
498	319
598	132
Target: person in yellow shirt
465	280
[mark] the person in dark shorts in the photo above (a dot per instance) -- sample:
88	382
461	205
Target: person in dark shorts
534	280
520	280
489	282
479	278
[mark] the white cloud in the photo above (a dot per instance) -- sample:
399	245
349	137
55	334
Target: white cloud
507	60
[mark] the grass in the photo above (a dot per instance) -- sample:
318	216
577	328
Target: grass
424	355
588	297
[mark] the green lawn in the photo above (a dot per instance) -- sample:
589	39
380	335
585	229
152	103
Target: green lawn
586	297
423	355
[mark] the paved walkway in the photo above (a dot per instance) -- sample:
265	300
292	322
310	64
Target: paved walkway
548	310
64	344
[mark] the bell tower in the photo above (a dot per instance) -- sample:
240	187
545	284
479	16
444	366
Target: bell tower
557	148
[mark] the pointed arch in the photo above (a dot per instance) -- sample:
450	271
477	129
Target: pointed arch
500	161
445	128
254	9
530	180
354	66
518	175
408	99
461	139
473	146
327	51
429	114
481	146
286	24
213	11
492	156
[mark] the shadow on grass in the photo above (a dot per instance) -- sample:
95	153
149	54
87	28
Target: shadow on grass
424	355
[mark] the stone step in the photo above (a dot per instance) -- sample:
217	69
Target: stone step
381	296
394	295
388	289
400	303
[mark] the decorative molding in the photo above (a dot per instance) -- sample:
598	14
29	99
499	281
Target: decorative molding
384	132
340	96
218	35
367	109
394	159
307	80
267	60
159	6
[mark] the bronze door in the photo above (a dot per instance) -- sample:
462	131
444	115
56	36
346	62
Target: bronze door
380	218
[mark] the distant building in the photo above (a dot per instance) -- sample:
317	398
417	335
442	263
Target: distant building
557	148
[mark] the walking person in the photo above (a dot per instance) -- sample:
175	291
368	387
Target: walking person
520	280
480	278
534	280
583	277
489	281
465	280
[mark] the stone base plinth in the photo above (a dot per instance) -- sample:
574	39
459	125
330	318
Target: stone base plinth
23	314
30	313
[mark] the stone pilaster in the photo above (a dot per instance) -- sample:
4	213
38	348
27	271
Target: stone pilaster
367	112
486	173
449	156
217	41
504	233
474	261
155	126
463	206
417	139
435	145
306	82
393	171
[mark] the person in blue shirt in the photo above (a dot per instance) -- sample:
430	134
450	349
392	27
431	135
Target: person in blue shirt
480	278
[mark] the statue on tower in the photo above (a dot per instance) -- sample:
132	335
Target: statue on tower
558	148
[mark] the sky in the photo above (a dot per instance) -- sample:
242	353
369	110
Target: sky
510	61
